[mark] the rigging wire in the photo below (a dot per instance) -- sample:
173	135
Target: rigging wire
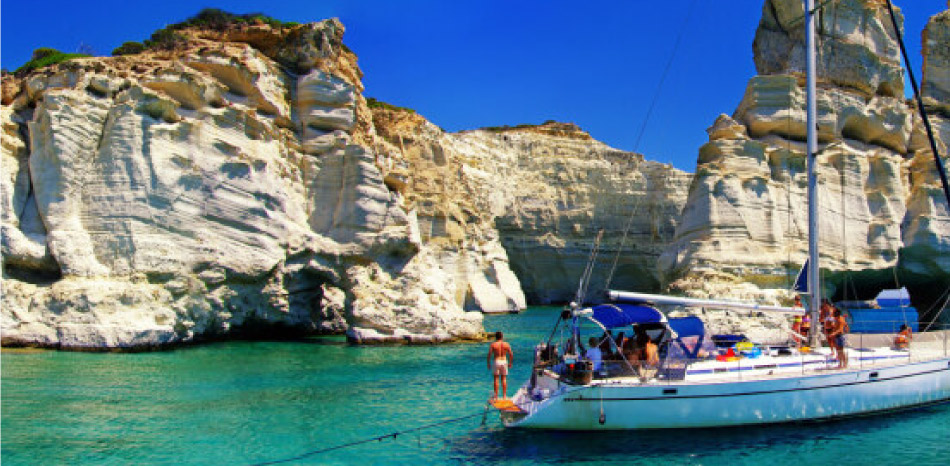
623	242
920	106
848	279
923	111
588	271
643	127
789	269
940	312
666	70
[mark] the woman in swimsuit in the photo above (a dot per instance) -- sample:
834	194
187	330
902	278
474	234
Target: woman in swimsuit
836	337
827	319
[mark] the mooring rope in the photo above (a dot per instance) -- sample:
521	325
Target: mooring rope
380	438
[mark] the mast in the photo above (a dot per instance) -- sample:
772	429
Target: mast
811	122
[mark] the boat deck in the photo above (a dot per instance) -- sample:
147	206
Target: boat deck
780	366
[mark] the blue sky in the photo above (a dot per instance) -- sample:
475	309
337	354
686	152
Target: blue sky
468	64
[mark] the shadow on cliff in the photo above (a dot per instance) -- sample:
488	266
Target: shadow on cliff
927	293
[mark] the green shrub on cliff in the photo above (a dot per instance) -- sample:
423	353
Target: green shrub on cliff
166	39
219	20
45	56
128	48
208	18
43	52
373	103
503	128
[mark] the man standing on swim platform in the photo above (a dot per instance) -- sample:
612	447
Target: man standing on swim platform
500	358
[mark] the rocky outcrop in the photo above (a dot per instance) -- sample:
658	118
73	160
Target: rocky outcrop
241	183
881	208
572	192
535	198
858	47
177	195
926	252
935	84
454	206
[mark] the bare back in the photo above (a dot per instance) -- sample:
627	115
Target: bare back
650	354
841	325
500	350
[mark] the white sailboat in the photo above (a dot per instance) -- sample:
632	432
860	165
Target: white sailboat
694	386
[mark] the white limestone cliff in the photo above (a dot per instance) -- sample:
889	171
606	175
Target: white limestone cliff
178	195
881	211
926	228
241	183
535	196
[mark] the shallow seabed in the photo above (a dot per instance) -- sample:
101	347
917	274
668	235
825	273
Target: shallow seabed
253	402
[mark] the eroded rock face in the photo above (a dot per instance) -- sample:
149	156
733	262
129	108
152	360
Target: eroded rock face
881	208
172	196
935	84
455	204
568	192
532	200
858	49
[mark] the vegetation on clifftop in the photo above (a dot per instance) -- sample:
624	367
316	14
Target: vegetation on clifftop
128	48
167	38
43	57
502	128
373	103
549	127
213	19
220	20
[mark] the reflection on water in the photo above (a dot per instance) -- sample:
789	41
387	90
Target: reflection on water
249	402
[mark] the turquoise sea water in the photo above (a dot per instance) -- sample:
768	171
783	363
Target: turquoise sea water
253	402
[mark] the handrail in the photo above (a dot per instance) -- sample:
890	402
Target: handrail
769	360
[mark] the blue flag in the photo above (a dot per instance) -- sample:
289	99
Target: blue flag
801	283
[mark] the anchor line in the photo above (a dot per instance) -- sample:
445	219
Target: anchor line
378	438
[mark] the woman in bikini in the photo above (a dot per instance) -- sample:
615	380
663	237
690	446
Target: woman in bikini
836	337
827	319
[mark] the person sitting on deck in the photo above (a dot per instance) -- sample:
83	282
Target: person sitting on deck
646	356
604	343
806	327
902	340
630	351
797	331
622	342
594	354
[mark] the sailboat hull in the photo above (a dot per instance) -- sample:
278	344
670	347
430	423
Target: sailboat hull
709	404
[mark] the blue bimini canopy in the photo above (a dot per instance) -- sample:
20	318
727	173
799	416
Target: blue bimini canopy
691	337
688	326
621	315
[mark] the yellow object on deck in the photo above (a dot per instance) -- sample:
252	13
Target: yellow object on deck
745	345
505	404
